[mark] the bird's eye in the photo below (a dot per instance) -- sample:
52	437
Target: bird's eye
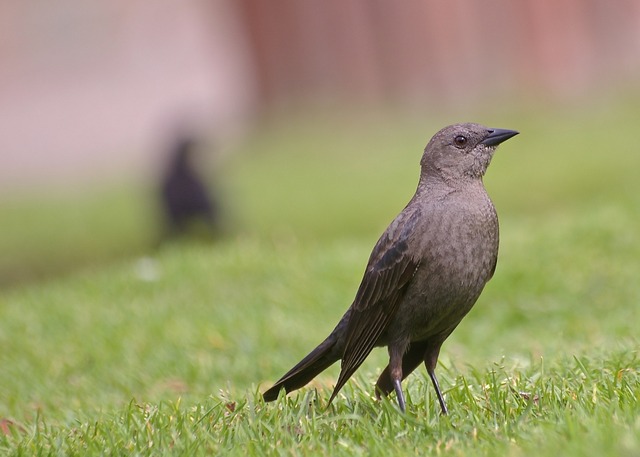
460	141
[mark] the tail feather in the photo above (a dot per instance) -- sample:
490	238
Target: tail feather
318	360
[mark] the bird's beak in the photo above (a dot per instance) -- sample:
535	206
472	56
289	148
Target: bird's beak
497	136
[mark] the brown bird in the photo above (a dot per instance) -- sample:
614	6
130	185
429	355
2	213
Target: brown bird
425	272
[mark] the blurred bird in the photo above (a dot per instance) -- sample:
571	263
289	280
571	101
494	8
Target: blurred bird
425	272
185	197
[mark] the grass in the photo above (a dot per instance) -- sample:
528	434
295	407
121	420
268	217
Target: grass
44	235
166	353
503	410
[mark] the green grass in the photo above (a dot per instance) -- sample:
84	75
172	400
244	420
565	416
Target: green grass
167	353
577	407
45	234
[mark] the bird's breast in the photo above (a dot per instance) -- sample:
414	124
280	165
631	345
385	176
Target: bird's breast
458	251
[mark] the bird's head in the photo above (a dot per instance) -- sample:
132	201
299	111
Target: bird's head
462	151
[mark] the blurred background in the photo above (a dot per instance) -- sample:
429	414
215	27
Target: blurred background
309	117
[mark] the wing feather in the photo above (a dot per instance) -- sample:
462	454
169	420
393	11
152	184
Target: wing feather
389	272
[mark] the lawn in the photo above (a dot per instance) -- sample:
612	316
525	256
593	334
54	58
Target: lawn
166	351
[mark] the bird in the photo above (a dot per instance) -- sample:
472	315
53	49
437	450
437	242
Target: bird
424	274
184	195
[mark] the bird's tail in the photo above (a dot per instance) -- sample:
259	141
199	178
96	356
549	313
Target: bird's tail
318	360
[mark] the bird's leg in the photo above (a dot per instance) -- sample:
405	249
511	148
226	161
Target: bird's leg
398	388
430	361
443	406
395	371
410	361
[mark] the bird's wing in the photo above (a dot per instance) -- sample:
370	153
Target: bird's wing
389	271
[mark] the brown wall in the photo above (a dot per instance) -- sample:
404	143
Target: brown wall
86	88
421	50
